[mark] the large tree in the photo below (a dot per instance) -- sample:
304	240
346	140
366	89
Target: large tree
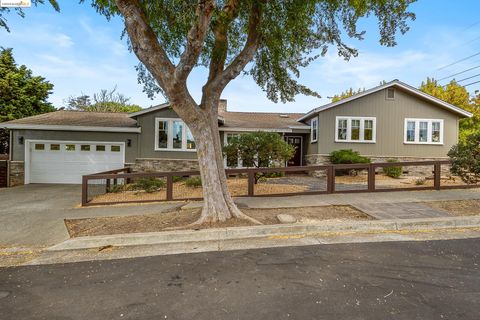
21	93
102	101
269	40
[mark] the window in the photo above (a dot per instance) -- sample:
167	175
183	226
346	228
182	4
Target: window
55	147
162	134
314	130
115	148
423	131
70	147
355	129
39	146
173	134
100	148
85	147
390	94
177	134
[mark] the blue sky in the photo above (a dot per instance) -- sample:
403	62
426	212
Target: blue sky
80	51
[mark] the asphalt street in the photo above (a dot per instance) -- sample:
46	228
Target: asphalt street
389	280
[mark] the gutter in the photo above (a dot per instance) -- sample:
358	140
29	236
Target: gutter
18	126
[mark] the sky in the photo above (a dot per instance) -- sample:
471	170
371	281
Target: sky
80	52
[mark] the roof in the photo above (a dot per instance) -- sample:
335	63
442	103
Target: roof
76	121
148	110
261	121
396	83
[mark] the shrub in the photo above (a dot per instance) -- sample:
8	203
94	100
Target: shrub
116	188
193	182
177	178
465	159
393	172
347	156
148	185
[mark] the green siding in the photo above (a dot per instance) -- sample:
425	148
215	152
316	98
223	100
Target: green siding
390	115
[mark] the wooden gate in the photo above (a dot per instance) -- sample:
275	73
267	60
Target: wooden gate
3	174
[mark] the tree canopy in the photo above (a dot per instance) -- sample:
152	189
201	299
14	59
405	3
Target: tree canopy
346	94
21	93
103	101
21	12
456	95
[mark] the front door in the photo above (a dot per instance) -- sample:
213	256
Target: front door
295	141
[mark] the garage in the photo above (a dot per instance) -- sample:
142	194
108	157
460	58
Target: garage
66	162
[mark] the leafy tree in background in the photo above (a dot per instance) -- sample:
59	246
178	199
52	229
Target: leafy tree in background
259	149
456	95
268	40
21	93
346	94
103	101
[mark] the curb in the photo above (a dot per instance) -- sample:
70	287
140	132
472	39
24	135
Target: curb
244	233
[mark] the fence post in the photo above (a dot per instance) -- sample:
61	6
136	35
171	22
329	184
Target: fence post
371	177
84	191
251	183
330	179
169	187
437	170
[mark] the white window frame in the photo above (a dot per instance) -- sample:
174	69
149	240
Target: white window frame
362	129
225	142
312	129
170	135
417	131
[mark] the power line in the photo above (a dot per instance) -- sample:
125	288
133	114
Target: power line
456	74
471	83
474	76
461	60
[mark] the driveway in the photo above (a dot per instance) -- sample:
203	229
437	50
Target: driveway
32	215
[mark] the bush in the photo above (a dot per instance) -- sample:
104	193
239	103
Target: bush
393	172
465	159
193	182
116	188
177	178
148	185
347	156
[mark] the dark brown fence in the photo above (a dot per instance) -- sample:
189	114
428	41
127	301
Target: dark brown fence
3	173
113	187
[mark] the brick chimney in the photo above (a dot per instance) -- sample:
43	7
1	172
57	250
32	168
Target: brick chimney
222	105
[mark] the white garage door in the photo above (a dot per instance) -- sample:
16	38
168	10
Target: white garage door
65	162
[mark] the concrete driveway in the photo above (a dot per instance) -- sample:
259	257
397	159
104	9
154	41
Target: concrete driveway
32	215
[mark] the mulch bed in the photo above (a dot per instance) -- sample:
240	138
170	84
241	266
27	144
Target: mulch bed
457	207
179	218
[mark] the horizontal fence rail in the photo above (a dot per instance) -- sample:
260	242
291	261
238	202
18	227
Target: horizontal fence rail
105	182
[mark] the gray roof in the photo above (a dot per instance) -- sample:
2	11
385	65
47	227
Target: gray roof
78	118
261	120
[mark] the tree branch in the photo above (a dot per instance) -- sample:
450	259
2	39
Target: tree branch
145	43
195	40
248	51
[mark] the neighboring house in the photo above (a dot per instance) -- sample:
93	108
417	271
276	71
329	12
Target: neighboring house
393	120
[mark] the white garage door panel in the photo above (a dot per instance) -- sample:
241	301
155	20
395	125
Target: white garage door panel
60	162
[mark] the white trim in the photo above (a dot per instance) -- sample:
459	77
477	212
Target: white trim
362	129
69	128
170	134
151	109
417	131
314	120
397	83
27	142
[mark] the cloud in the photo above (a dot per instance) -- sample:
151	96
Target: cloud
102	37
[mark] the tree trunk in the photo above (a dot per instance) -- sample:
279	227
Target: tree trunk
218	203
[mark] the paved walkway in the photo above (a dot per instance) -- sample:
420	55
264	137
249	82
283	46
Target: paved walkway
400	210
33	215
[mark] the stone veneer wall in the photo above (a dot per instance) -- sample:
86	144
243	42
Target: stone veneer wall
149	165
318	159
16	173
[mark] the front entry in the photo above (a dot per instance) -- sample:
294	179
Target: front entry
297	142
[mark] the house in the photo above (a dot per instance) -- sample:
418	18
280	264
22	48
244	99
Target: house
393	120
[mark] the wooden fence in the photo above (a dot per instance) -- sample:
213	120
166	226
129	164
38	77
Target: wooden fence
125	175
